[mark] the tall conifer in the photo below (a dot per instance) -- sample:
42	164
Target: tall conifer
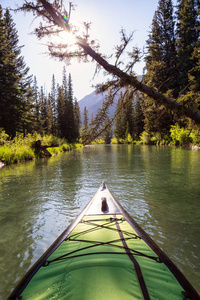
138	119
52	99
187	37
77	118
124	118
61	112
195	71
85	118
22	96
37	123
161	67
43	110
71	120
13	81
161	49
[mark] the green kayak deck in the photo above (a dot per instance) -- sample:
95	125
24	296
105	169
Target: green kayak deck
104	254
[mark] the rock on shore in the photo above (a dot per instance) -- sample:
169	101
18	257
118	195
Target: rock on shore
1	164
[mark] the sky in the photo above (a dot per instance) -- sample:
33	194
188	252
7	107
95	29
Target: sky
108	17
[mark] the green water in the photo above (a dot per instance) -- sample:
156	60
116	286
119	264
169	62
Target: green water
158	186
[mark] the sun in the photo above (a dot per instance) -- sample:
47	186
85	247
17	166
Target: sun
66	38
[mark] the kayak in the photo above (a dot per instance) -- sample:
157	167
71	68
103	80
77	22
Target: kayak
104	254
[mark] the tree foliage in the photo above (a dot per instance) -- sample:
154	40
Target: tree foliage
14	82
161	50
187	37
161	60
171	64
52	14
124	115
171	84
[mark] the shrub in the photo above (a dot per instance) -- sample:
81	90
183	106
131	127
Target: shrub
129	139
195	135
180	135
65	147
13	155
145	137
98	142
20	149
3	137
114	140
54	150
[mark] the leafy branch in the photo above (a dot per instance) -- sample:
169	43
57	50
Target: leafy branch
53	14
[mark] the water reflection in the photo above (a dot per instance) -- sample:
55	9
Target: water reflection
158	186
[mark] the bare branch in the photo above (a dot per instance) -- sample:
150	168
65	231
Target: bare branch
55	16
120	49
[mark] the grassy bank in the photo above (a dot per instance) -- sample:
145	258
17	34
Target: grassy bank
21	149
176	137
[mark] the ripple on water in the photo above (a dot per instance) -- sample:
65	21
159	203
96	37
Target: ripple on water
158	186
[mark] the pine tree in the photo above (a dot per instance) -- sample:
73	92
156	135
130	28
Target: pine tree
138	119
187	39
10	94
107	133
77	118
124	115
72	135
27	121
18	93
99	124
53	105
65	107
120	120
192	97
61	112
161	68
43	110
65	114
161	56
37	123
49	116
85	118
129	108
84	132
195	71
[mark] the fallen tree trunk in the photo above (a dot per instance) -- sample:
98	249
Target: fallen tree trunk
41	150
133	81
56	19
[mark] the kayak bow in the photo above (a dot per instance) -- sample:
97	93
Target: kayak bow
104	254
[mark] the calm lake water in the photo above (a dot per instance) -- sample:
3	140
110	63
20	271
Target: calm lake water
158	186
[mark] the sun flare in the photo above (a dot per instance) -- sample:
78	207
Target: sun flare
66	38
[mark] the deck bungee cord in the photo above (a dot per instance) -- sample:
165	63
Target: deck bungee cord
135	263
97	243
104	254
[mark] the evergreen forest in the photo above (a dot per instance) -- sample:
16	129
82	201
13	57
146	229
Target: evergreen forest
172	67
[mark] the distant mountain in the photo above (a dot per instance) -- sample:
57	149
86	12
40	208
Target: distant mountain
93	102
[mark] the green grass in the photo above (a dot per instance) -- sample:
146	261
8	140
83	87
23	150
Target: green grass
20	149
63	148
98	142
14	155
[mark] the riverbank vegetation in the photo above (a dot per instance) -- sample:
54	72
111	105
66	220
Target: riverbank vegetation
24	107
161	108
172	60
21	149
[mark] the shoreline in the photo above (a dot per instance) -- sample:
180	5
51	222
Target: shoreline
49	151
3	164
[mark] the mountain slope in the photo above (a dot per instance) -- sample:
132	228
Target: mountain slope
93	102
